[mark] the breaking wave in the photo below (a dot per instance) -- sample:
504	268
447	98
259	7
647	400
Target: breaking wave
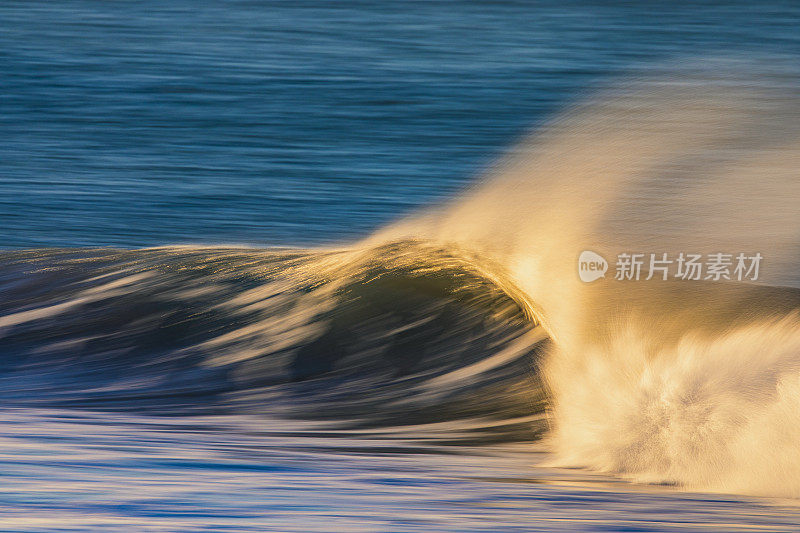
471	317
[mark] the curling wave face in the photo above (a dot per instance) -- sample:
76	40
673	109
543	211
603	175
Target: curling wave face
400	335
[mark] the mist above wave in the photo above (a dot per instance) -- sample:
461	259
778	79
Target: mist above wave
687	382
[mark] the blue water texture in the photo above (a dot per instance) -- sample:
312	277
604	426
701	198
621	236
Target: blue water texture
293	123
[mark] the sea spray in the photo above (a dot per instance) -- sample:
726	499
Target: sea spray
692	382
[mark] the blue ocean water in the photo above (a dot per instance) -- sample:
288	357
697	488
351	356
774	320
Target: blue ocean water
147	123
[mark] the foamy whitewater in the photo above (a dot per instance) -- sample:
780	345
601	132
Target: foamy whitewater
467	324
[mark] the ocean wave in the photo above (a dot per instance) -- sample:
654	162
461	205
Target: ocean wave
472	314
